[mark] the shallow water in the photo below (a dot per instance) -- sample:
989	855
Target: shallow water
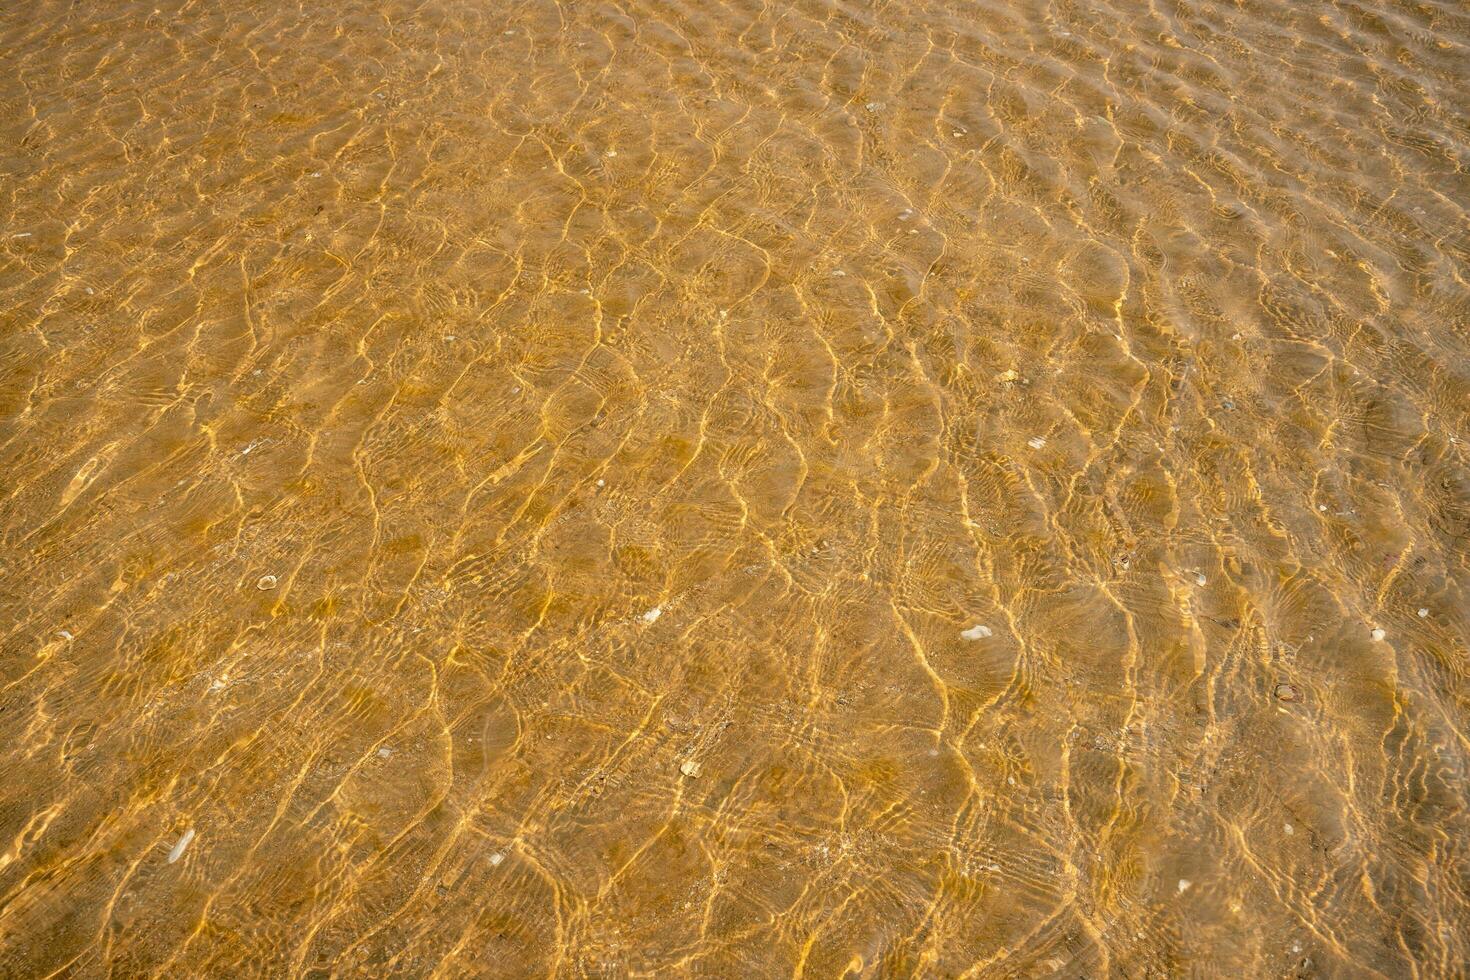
734	490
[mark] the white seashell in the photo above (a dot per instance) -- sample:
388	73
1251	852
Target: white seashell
178	850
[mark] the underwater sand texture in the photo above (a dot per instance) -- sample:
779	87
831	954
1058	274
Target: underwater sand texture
711	488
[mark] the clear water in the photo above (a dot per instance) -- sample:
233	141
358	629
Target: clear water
726	489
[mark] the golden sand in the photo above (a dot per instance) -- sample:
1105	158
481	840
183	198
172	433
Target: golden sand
960	488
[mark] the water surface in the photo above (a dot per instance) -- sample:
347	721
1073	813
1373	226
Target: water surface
728	489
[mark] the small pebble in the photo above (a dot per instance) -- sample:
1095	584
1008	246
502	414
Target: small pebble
1289	830
1287	692
1322	507
1007	377
1184	885
1423	613
1379	634
64	634
689	768
1036	442
265	583
976	632
495	859
602	483
611	153
1199	579
874	106
384	752
652	614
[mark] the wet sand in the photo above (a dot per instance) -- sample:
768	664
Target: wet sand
721	489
